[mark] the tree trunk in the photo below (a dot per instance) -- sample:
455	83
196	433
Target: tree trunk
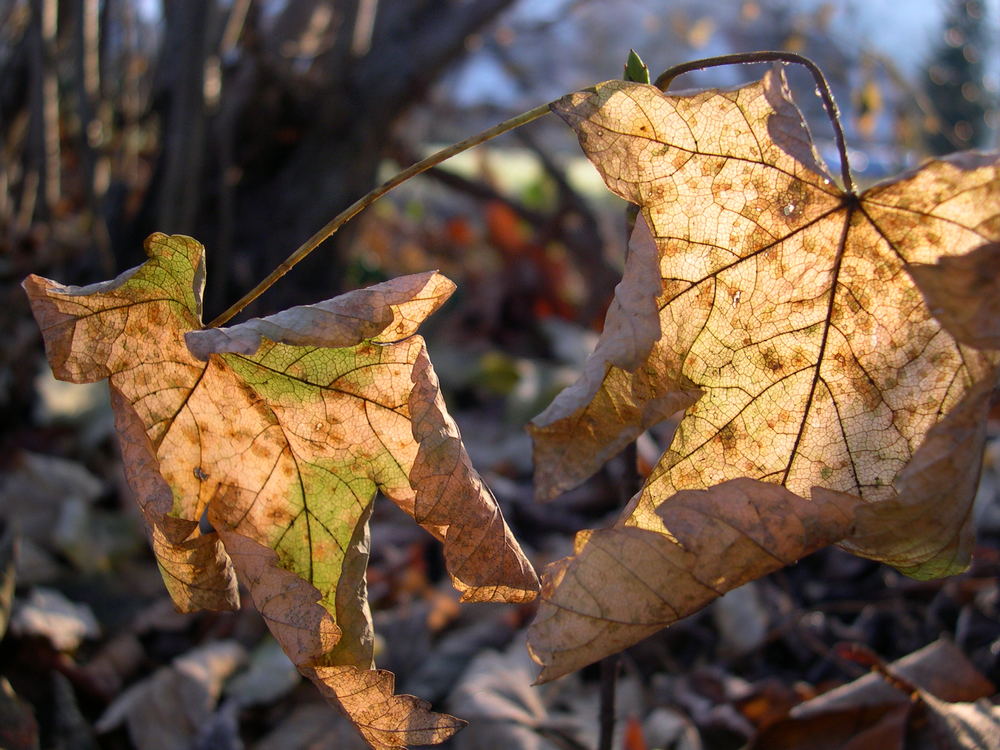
310	130
184	127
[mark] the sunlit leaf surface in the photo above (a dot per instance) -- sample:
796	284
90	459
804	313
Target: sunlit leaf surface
786	321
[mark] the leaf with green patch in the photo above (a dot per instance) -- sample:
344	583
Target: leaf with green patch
280	430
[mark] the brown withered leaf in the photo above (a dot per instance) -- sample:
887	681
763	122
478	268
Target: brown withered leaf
280	430
932	698
960	726
963	292
940	668
790	329
711	541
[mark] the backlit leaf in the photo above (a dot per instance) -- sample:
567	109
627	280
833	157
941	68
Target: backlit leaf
787	308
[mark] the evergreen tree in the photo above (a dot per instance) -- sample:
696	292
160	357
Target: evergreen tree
954	80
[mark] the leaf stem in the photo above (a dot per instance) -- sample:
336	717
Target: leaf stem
664	80
359	205
609	679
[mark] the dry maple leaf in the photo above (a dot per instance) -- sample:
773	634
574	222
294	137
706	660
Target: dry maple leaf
780	312
280	430
963	292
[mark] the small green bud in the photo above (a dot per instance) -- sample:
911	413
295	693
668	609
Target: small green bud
635	68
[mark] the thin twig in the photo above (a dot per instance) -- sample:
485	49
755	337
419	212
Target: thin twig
351	211
52	172
664	80
609	680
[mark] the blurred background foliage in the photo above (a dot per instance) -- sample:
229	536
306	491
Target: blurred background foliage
250	123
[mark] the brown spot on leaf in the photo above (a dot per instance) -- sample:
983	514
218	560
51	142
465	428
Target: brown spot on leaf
727	436
771	360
